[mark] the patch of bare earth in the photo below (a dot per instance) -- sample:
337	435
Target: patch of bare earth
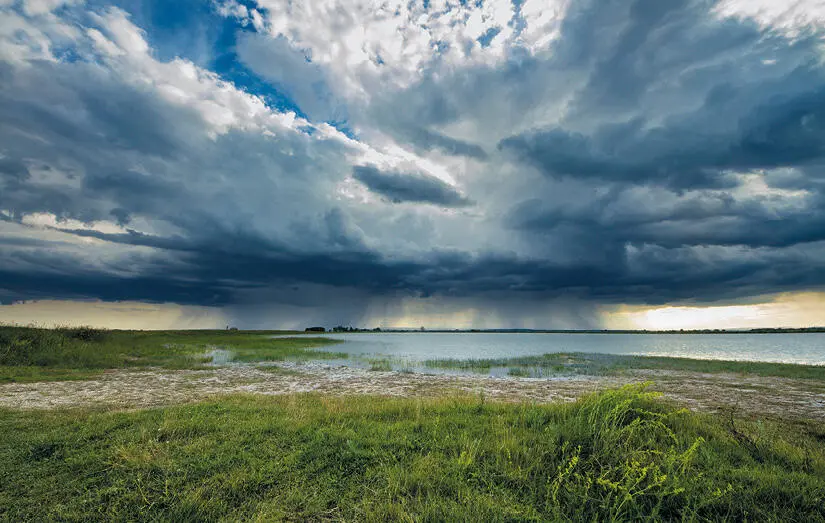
139	389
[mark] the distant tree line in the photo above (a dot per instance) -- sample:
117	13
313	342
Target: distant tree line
341	328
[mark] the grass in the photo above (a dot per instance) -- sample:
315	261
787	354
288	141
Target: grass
31	373
584	363
617	456
34	354
380	365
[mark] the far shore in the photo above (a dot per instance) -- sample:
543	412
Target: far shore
804	330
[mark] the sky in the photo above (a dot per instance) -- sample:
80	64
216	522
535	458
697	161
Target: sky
438	163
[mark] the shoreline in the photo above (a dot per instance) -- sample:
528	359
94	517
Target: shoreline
776	397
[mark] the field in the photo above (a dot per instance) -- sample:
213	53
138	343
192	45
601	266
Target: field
619	455
188	440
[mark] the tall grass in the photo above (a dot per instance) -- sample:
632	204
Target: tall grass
616	456
28	354
65	347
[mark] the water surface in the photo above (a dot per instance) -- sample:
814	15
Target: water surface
416	347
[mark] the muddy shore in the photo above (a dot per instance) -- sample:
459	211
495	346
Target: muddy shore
748	395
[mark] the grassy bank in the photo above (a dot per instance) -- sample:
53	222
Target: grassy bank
33	354
606	364
620	455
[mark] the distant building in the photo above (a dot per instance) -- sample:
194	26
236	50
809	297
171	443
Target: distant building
315	329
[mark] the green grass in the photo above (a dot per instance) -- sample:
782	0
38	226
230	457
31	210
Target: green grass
617	456
30	374
34	354
600	364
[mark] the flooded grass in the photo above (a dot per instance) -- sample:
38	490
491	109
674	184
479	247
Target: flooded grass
561	364
380	365
519	372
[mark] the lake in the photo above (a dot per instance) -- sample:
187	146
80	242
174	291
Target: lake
418	346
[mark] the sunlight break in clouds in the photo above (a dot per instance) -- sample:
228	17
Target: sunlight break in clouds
791	310
112	315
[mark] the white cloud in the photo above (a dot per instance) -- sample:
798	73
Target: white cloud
231	8
367	44
542	21
789	16
42	7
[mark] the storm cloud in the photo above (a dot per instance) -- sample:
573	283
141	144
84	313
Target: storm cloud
409	187
490	155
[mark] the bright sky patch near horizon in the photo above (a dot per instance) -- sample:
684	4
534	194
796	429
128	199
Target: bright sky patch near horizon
497	163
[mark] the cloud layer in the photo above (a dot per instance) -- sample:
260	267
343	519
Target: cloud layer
491	155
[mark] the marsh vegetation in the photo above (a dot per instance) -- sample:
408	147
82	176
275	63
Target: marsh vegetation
561	364
37	354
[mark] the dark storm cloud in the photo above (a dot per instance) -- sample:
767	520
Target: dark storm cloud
427	139
13	171
785	132
694	220
609	169
206	275
408	187
679	98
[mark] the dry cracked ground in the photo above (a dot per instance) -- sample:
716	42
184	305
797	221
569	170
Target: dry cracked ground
750	395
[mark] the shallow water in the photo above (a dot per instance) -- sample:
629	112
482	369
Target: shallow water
415	347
